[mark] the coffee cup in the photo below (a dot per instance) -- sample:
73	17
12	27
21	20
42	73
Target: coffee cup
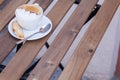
29	16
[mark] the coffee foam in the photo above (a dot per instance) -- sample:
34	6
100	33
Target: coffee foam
26	14
31	8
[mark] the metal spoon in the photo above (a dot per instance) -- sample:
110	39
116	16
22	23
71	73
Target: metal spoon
43	29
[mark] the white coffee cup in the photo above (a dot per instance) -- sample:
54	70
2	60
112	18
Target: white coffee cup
29	16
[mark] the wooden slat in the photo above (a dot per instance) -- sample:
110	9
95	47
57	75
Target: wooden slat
1	1
5	45
9	40
44	4
86	48
50	61
26	54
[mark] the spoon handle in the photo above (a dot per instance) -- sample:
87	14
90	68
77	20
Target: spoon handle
25	39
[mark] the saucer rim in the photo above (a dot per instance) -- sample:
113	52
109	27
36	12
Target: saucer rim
41	35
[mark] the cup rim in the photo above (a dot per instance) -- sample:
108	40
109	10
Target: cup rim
38	7
24	20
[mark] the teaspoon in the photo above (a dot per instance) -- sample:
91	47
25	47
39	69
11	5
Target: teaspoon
43	29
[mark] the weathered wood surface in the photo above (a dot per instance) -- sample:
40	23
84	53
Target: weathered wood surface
43	3
51	59
31	48
1	2
7	42
87	46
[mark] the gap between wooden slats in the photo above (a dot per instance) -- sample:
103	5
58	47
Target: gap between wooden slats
57	30
75	43
106	52
1	1
43	50
50	7
78	38
4	32
51	59
31	48
87	46
5	16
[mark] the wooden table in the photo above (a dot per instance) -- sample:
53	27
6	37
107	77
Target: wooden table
48	63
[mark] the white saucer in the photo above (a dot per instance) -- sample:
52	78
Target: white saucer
45	20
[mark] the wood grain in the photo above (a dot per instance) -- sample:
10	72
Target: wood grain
6	40
43	3
20	62
5	45
50	61
1	1
87	46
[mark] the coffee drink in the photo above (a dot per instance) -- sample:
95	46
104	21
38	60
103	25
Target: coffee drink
29	16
